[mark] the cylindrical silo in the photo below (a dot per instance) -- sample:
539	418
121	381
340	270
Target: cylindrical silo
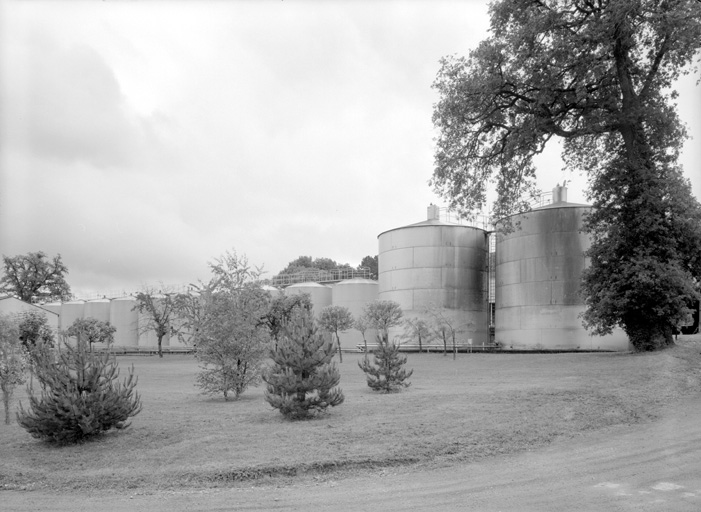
124	318
53	320
274	292
70	312
320	294
355	294
437	268
54	307
98	309
538	271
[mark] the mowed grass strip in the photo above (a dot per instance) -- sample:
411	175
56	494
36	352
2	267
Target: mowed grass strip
477	406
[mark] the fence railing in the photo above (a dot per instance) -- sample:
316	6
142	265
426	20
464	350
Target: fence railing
320	276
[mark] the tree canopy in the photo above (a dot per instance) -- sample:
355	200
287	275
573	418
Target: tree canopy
307	263
229	327
598	74
34	277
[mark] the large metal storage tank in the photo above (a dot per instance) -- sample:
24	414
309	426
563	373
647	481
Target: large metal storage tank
98	309
125	319
320	294
538	271
439	265
54	307
70	312
354	294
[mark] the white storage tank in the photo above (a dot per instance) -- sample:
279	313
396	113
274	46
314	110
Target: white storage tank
70	312
538	272
55	320
274	292
98	309
54	307
124	318
320	294
439	266
355	294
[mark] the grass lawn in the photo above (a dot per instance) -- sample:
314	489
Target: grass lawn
479	405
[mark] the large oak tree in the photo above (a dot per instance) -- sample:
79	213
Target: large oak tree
34	277
598	74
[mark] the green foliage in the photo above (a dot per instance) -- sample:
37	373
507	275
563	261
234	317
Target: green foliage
13	361
335	319
362	325
304	263
35	334
383	314
231	337
33	277
282	309
645	257
91	330
34	329
387	374
600	76
302	382
371	263
417	329
159	312
81	396
446	327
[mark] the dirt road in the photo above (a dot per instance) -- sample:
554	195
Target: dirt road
655	467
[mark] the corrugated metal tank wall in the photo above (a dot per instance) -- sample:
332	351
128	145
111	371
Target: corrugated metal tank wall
354	294
538	271
98	309
125	319
70	312
320	294
434	264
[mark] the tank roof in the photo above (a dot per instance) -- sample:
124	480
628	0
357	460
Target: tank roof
431	223
357	280
561	204
308	284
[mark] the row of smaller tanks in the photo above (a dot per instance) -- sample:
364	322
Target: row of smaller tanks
132	326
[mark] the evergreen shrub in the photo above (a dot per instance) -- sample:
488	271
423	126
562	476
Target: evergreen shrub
303	380
387	374
81	396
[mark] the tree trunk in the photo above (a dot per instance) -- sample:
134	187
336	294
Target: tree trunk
6	396
340	354
160	351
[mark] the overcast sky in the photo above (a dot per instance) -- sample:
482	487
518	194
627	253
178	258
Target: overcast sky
141	140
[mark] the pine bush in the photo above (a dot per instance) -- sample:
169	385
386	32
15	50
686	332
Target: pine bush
81	396
303	380
387	373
